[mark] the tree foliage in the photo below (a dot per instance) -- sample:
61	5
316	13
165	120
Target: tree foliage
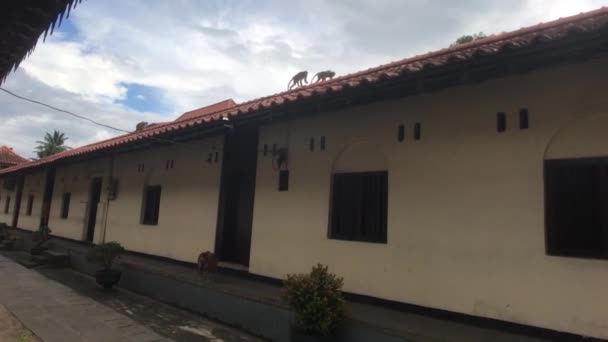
469	38
51	144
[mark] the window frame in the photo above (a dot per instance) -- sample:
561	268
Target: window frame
552	247
356	235
144	219
66	198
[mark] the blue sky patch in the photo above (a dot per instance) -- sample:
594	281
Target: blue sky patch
67	30
144	98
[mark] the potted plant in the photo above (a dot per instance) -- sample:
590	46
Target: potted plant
41	237
317	302
104	255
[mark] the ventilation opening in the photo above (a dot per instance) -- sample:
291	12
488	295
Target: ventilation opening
501	122
417	131
524	122
284	180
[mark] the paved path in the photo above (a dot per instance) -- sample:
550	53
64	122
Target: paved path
54	312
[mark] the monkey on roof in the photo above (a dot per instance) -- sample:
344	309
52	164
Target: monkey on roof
297	80
323	76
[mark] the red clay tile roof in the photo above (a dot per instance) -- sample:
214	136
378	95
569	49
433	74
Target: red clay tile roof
550	31
9	157
218	107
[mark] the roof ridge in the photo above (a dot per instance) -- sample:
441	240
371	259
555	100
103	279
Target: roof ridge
460	47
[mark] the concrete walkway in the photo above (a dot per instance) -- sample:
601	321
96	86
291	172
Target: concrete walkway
54	312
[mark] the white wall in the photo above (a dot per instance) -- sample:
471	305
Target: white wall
33	184
76	180
4	194
466	208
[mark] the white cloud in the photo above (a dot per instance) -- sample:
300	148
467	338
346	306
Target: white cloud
65	65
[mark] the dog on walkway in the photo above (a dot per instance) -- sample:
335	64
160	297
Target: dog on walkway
207	264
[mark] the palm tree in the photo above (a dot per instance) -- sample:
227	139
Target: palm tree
52	143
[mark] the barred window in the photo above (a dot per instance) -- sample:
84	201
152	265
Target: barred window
151	205
576	207
359	206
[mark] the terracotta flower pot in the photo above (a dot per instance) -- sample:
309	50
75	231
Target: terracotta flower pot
107	278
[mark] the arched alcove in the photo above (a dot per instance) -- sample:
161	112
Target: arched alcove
581	138
361	156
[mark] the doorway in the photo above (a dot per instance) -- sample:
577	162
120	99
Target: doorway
94	198
233	242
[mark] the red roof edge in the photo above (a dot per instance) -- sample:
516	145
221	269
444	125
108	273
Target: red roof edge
216	107
10	157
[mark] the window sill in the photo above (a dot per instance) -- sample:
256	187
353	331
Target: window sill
377	242
577	255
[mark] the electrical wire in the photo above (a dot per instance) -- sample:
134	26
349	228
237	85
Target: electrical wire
212	150
95	122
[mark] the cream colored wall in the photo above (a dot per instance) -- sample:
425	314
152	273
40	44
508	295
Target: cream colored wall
33	184
188	205
76	179
466	209
4	194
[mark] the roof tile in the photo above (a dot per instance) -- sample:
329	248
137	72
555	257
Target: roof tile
10	157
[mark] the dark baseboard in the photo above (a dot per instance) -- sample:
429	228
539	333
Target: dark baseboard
482	322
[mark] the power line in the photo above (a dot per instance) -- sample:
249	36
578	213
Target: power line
64	111
93	121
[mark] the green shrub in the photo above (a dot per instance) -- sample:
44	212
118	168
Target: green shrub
316	298
105	254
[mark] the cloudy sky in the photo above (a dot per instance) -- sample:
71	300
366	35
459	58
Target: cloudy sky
121	62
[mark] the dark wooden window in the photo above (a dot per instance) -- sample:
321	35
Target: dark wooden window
359	206
576	207
311	144
284	180
65	205
30	205
151	205
7	204
524	122
417	131
323	143
501	122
